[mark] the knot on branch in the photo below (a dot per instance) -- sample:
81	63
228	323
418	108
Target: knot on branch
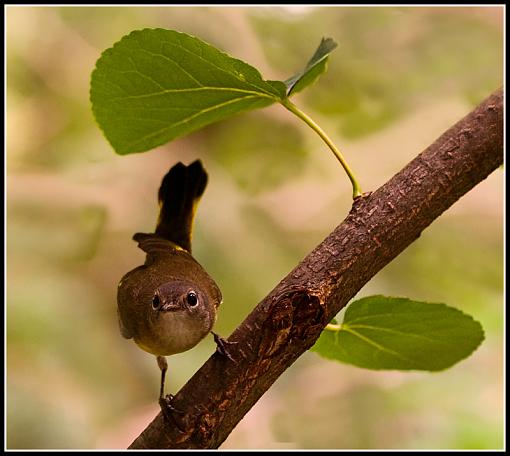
295	316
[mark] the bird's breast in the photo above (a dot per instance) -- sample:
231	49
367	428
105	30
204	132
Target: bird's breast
174	332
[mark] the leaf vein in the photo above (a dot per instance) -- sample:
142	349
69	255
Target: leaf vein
175	63
387	314
378	346
208	62
192	89
143	76
187	119
111	83
394	331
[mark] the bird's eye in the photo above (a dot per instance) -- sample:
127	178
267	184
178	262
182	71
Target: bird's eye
192	298
155	302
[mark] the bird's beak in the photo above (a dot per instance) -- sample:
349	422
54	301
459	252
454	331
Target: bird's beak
170	307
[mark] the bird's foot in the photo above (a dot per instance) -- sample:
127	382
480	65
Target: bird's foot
166	405
169	410
221	346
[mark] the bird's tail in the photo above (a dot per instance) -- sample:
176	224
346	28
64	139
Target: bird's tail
179	194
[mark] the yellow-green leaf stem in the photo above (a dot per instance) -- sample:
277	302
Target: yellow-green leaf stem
333	327
356	189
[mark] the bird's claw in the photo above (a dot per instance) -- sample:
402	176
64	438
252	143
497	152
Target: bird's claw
221	346
166	405
169	410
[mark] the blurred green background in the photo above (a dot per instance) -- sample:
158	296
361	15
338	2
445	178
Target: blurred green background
398	79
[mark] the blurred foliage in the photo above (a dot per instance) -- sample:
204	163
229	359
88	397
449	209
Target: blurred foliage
55	233
386	58
241	146
400	76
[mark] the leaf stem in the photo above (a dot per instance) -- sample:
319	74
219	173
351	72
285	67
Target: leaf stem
333	327
356	189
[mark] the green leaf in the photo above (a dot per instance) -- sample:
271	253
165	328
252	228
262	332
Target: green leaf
380	332
314	68
155	85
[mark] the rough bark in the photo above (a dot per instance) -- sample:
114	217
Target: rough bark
290	319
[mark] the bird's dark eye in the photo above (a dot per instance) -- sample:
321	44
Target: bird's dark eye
155	302
192	298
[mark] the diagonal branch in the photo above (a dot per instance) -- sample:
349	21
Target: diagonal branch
290	319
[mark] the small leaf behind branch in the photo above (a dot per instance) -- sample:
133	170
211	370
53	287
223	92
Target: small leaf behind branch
314	68
155	85
380	332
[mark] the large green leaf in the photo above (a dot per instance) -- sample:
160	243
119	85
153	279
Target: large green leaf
380	332
314	68
155	85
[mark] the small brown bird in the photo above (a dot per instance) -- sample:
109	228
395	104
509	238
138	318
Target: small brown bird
169	304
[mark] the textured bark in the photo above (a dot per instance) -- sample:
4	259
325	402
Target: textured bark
290	319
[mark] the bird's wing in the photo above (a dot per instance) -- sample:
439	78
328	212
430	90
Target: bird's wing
155	246
123	330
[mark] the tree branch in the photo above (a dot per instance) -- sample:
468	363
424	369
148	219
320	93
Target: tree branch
290	319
